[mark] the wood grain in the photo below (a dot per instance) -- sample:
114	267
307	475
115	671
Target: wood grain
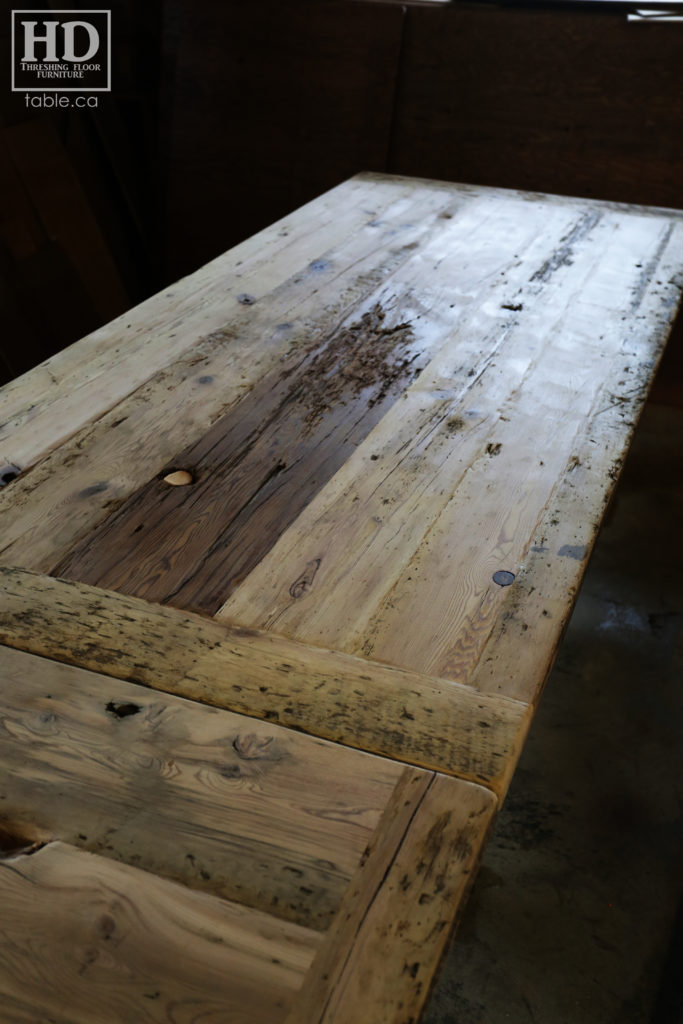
264	462
254	471
81	483
405	897
352	228
409	717
401	423
87	940
235	807
452	485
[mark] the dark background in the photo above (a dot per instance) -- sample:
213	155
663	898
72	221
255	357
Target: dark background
225	116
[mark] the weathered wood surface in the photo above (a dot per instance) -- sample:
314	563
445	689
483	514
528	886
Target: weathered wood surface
254	471
87	940
379	708
376	441
564	356
207	326
404	897
239	808
450	281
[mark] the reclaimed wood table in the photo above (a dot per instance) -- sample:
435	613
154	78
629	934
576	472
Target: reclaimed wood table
286	555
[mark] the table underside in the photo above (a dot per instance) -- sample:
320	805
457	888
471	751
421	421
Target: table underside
256	726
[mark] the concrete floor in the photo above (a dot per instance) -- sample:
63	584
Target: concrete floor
573	918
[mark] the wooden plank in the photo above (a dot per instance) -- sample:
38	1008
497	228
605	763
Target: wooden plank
408	717
85	479
85	939
307	58
584	103
379	958
254	471
552	570
352	227
241	809
411	275
259	466
435	540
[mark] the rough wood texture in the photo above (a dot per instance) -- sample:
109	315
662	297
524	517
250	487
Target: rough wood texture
378	440
202	318
378	708
242	809
404	898
87	940
254	471
533	397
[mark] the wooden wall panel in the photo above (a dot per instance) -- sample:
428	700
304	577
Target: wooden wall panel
571	101
272	104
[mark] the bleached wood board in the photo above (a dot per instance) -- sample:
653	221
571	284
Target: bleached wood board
378	960
406	716
239	808
448	282
88	941
237	300
457	483
529	326
50	403
347	516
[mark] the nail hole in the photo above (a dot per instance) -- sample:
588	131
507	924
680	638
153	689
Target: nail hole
179	478
16	843
122	710
503	578
245	299
8	474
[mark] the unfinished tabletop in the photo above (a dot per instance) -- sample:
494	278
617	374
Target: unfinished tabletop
286	555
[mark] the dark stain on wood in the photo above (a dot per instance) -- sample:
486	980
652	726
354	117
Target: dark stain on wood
562	256
16	841
255	470
122	709
577	551
647	272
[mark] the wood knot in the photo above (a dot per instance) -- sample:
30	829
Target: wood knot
106	926
252	747
303	583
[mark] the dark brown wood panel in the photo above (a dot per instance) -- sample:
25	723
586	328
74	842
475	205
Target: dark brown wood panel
253	472
579	102
272	104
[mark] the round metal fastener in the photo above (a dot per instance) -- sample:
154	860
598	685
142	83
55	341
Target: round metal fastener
503	578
